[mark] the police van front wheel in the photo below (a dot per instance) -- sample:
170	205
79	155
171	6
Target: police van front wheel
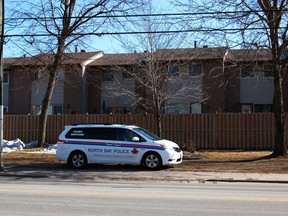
77	160
152	161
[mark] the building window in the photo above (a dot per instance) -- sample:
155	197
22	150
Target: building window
5	77
178	108
256	108
37	75
60	76
195	69
5	109
196	108
126	75
119	110
263	107
36	109
183	108
173	71
57	109
268	71
107	76
246	108
52	110
268	74
247	73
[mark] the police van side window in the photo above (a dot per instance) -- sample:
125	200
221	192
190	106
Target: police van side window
92	133
103	133
127	135
77	133
98	133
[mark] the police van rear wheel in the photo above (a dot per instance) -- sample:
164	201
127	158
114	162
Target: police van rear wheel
152	161
77	160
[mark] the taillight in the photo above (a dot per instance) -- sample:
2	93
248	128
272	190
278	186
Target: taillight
60	141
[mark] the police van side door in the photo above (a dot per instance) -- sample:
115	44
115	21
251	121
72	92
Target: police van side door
127	147
102	140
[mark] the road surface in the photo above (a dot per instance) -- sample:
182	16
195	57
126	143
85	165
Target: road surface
47	197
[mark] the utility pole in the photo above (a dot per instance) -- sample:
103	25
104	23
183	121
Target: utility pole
1	81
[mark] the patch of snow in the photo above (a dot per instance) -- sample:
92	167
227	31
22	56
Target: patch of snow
50	150
32	144
18	145
13	145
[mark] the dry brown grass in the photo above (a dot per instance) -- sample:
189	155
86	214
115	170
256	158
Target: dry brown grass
240	162
208	161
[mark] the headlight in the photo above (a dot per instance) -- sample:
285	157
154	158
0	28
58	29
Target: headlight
177	149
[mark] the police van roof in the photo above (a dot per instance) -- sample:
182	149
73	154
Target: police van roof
100	124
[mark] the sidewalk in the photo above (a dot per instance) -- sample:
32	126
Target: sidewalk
166	175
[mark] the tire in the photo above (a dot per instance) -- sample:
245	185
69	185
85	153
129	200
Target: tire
152	161
77	160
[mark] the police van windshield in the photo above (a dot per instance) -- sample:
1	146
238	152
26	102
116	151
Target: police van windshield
147	134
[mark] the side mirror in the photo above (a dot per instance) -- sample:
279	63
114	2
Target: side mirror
135	139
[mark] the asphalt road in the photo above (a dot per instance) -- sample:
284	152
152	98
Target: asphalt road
47	197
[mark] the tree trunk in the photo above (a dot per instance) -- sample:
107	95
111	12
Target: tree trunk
53	74
159	125
279	115
44	109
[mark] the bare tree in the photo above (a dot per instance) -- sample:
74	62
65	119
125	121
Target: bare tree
62	23
1	81
161	74
247	23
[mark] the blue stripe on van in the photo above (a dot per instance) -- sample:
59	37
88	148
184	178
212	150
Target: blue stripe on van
123	145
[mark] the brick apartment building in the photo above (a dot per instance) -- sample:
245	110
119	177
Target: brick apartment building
90	82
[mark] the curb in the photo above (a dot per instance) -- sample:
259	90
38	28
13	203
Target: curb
105	176
247	181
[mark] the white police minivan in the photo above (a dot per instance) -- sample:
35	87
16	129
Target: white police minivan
81	144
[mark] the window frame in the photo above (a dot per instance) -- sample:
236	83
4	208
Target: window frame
184	108
5	72
191	70
5	109
60	75
108	76
262	108
119	110
35	109
172	72
247	69
57	106
126	75
249	106
38	75
268	74
38	107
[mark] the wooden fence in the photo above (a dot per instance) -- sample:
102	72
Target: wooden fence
194	131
